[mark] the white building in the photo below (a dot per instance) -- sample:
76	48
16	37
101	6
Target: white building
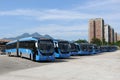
107	33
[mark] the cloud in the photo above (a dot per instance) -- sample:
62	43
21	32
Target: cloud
68	32
50	14
91	9
99	4
64	15
60	31
106	9
100	7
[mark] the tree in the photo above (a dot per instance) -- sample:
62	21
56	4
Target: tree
81	41
96	41
117	43
104	42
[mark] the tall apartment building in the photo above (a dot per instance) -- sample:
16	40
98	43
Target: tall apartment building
107	33
111	35
96	29
115	37
118	37
91	29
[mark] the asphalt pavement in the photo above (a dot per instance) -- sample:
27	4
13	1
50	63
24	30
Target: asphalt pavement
104	66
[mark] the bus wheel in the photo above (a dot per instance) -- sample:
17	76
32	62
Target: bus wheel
32	57
9	54
20	54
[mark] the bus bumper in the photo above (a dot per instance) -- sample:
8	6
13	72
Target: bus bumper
74	53
45	58
66	55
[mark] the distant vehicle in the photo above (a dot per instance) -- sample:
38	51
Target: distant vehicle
105	48
108	48
36	49
62	48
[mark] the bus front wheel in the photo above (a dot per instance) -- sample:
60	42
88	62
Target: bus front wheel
32	57
20	54
9	54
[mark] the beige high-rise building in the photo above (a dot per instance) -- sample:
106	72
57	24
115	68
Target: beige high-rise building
91	29
118	37
111	35
96	29
115	37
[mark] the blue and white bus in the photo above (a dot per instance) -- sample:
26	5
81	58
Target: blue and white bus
108	48
83	49
36	49
93	49
74	48
62	48
105	48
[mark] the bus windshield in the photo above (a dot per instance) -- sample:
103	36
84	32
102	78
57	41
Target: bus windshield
84	47
90	48
74	47
46	46
64	47
95	47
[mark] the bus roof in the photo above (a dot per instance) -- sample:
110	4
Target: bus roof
11	42
29	39
60	40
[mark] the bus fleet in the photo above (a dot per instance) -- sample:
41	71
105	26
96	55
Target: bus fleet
42	49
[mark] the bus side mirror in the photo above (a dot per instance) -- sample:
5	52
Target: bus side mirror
36	45
56	44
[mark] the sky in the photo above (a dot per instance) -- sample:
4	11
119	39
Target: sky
62	19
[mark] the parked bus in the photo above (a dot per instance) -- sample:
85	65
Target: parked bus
74	48
62	48
36	49
104	48
108	48
93	49
83	49
114	47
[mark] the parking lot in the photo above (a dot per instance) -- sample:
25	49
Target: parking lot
9	64
103	66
